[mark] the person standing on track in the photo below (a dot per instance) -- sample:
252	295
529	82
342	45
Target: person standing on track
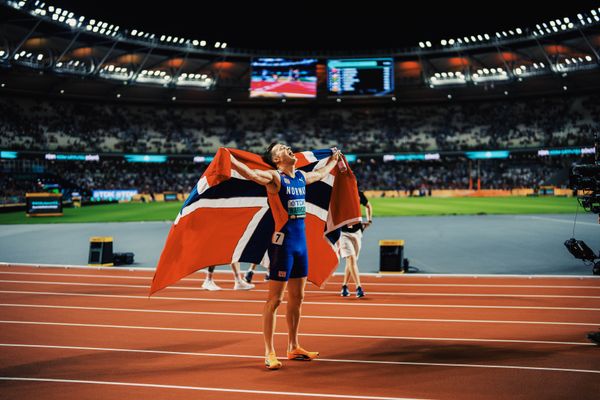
240	284
350	243
287	252
250	273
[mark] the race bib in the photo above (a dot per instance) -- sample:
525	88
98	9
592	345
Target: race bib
278	238
296	208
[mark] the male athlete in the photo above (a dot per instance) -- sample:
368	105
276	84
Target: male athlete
287	252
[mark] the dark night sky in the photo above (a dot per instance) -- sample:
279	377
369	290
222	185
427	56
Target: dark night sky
305	25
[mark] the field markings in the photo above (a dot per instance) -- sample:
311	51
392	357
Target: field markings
149	278
325	335
542	296
197	388
346	304
304	316
320	360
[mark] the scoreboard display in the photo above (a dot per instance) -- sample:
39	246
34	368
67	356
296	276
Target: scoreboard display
281	77
43	204
360	77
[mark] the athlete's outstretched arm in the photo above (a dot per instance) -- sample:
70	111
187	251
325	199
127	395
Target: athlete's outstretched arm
318	174
261	177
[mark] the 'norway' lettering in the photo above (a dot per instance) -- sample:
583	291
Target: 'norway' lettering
295	190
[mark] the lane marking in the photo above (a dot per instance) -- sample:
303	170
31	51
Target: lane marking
196	354
199	388
542	296
374	274
229	331
327	317
564	221
149	278
346	304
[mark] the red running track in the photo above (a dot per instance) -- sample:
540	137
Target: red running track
94	333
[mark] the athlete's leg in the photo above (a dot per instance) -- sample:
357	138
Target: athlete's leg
352	265
294	308
276	289
209	283
240	284
250	273
346	273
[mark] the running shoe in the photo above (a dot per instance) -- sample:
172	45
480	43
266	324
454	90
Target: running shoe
300	354
271	362
210	285
241	285
345	292
248	277
359	292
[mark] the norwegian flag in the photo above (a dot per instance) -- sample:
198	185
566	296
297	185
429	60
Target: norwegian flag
228	218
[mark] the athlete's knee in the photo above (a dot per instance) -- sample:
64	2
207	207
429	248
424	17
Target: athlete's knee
273	303
296	297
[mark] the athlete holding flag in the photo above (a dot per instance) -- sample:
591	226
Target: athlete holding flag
287	252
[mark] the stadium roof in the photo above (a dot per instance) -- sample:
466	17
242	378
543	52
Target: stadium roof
319	26
45	49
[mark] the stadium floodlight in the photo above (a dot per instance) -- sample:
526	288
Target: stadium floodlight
587	58
479	37
203	43
195	42
40	57
223	45
451	42
428	43
565	88
2	52
218	44
422	45
443	42
486	36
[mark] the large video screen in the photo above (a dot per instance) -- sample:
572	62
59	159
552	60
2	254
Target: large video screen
360	77
281	77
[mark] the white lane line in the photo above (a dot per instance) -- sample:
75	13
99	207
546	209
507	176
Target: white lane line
335	360
199	388
326	317
147	287
564	221
319	303
371	274
368	284
229	331
378	275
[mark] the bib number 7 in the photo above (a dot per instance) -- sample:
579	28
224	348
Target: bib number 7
278	238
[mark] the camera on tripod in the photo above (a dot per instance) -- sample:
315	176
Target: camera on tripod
585	180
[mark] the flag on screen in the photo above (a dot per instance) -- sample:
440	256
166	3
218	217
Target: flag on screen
228	218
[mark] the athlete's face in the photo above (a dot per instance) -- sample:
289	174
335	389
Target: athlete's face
283	154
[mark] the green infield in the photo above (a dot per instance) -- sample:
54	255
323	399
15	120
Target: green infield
413	206
383	207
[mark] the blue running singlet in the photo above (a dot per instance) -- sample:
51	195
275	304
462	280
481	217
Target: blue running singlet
287	252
